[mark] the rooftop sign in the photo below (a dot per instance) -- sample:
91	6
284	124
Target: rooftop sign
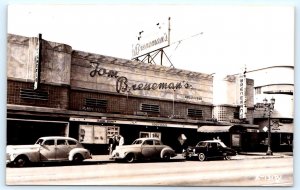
149	41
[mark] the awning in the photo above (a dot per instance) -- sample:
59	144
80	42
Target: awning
214	129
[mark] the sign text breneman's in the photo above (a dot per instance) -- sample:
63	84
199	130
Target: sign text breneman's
123	85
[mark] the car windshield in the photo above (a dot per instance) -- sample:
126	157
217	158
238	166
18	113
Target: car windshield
137	142
222	144
39	141
202	144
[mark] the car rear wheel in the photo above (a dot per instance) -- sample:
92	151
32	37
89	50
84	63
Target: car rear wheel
201	157
166	157
77	158
129	158
21	161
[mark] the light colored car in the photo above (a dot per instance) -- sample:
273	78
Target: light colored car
143	149
47	149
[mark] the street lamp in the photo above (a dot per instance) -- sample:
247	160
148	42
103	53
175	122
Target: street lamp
269	107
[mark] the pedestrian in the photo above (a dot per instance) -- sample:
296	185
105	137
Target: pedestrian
113	142
121	140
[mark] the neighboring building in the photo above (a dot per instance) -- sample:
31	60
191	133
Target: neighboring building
233	107
275	82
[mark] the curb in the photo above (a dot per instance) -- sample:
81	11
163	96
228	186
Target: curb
102	158
256	157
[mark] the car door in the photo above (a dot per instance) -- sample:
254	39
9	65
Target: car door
62	149
148	149
47	150
158	148
214	150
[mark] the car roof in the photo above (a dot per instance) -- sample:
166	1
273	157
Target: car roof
146	138
211	141
57	137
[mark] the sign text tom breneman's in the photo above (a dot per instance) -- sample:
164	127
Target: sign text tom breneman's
150	41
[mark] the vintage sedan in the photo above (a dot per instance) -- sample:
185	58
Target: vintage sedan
209	149
143	149
47	149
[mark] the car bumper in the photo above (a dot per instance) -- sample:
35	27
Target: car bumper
116	156
188	154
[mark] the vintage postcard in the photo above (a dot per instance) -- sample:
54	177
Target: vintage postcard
150	95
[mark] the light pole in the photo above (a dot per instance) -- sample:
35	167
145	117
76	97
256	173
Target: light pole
269	107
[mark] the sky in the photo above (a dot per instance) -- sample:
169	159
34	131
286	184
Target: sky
206	39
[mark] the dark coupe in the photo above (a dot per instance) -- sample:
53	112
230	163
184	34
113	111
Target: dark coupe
209	149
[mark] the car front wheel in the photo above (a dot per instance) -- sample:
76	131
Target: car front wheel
201	157
227	157
129	158
21	161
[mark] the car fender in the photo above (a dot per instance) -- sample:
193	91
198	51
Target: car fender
81	151
33	154
167	150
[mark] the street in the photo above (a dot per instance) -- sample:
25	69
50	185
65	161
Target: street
250	172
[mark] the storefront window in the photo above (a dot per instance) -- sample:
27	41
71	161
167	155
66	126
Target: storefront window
144	134
286	139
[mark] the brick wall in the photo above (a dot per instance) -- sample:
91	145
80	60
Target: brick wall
57	95
130	105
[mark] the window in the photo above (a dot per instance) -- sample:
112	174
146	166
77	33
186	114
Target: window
95	103
156	142
137	142
236	115
148	142
70	142
144	134
61	142
39	141
213	145
202	144
49	142
286	139
149	108
258	90
33	94
194	112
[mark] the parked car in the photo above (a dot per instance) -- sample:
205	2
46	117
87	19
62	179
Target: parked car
143	149
209	149
47	149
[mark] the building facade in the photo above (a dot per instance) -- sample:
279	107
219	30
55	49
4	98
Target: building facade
275	82
233	107
55	90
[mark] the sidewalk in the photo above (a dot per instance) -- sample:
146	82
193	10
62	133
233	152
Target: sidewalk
240	156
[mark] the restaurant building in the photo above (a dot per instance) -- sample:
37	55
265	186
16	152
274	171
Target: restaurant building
55	90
